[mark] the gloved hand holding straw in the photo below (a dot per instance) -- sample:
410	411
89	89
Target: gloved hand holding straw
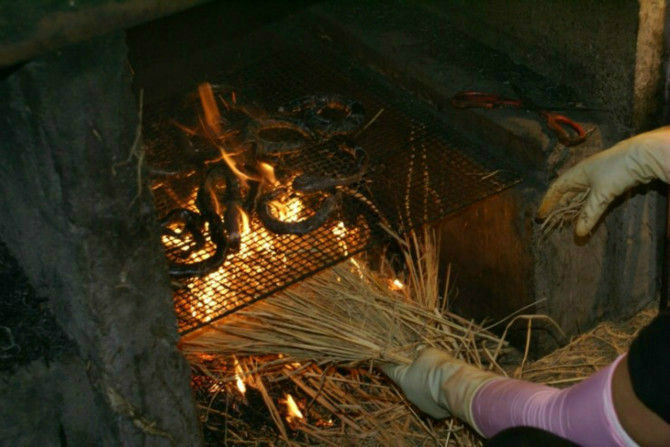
608	174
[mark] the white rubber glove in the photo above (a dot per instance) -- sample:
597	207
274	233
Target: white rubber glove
608	174
439	384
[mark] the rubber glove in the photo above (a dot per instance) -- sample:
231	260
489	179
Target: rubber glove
608	174
439	384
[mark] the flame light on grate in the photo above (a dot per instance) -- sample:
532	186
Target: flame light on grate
259	259
183	137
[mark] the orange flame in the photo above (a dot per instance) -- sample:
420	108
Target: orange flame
396	284
209	106
233	165
238	377
244	217
268	173
288	211
293	410
213	122
215	388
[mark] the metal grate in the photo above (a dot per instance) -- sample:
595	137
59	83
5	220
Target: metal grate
419	170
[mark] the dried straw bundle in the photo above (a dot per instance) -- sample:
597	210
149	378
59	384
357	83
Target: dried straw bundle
566	213
349	315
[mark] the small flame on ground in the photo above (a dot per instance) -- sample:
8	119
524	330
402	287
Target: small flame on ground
238	377
293	410
396	284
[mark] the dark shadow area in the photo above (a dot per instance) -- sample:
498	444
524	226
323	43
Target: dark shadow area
28	331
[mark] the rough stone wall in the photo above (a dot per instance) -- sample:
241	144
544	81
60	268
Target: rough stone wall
588	45
74	226
30	29
651	49
610	274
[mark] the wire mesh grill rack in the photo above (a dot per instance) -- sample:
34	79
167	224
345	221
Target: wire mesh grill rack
419	170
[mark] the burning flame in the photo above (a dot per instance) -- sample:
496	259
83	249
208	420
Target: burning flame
233	165
212	114
244	220
215	388
213	123
294	412
396	284
268	173
238	377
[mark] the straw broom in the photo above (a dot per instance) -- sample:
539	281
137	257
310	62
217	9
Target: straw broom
349	315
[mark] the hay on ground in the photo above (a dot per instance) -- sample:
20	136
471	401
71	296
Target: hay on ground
324	336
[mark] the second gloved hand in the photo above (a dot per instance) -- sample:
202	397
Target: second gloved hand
439	384
608	174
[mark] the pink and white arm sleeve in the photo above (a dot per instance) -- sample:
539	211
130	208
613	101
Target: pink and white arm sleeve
583	413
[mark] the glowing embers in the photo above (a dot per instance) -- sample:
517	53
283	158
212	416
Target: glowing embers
239	373
246	403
